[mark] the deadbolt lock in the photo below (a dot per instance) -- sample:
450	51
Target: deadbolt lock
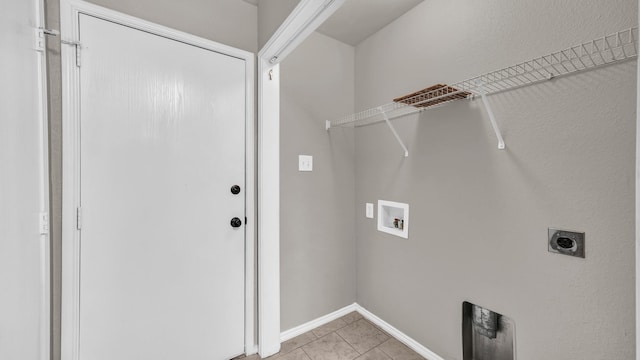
236	222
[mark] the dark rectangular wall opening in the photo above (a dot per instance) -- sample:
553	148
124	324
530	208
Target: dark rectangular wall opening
486	334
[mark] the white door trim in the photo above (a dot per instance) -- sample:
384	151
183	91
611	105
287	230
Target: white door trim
69	17
303	20
45	234
268	209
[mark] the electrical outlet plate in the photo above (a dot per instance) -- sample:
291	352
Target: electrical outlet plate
566	242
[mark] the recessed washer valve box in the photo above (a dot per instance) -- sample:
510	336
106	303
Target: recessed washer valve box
566	242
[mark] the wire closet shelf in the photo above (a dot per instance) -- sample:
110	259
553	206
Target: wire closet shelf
606	50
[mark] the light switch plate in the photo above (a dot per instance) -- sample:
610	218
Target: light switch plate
369	210
305	163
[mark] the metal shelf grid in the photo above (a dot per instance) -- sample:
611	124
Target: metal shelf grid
609	49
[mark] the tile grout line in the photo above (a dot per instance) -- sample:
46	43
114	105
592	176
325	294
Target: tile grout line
348	343
301	347
358	353
378	347
384	352
305	353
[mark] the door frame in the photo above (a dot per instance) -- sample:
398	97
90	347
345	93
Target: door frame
303	20
69	23
45	176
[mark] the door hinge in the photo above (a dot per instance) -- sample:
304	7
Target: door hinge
40	36
78	54
40	44
78	51
78	47
79	218
44	223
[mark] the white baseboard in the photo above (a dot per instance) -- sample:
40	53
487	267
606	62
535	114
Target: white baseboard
299	330
399	335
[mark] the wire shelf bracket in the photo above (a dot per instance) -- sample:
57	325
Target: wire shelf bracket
606	50
492	117
395	133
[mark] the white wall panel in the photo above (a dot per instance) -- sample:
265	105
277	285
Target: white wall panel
23	253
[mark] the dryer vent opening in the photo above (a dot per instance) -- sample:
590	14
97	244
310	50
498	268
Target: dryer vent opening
486	334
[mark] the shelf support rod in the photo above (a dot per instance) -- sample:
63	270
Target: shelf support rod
393	130
492	117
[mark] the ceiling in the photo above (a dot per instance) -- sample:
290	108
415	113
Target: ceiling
356	20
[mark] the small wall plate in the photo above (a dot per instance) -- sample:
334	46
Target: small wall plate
566	242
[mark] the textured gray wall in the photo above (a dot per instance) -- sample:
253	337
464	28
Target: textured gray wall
479	216
317	243
231	22
637	215
54	103
271	14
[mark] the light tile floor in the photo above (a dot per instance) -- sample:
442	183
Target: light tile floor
347	338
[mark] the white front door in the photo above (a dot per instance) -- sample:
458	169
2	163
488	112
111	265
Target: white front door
162	129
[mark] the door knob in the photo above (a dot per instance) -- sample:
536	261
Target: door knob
235	189
235	222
